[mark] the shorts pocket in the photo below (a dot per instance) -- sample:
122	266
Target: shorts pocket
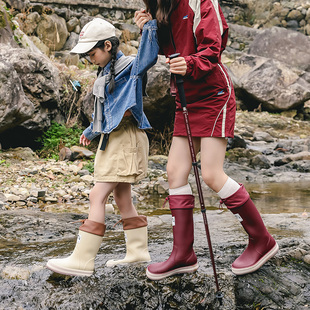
128	162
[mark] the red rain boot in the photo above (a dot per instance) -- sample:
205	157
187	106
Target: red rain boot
261	245
183	258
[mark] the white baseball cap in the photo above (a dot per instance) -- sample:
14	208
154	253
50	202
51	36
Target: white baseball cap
96	30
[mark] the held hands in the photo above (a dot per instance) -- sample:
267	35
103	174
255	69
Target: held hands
84	140
177	65
142	17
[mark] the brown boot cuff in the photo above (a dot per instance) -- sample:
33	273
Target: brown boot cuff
134	222
93	227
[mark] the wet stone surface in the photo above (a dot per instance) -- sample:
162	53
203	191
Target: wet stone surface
30	238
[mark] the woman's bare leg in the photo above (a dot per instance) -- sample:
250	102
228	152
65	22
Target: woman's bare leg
212	160
179	161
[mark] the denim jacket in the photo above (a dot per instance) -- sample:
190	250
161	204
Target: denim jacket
128	85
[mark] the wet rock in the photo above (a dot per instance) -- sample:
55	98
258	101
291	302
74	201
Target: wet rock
34	237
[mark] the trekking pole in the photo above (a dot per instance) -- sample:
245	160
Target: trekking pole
179	82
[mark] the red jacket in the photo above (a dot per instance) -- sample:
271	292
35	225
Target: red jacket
200	33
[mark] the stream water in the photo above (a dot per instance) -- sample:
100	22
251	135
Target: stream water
270	198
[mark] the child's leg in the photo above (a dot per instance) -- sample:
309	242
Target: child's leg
261	246
98	198
135	228
122	197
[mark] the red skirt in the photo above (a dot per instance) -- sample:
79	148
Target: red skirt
211	117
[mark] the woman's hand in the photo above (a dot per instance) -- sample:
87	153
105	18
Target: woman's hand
84	140
141	17
177	65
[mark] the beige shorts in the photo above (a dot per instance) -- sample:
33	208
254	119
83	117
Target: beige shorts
125	158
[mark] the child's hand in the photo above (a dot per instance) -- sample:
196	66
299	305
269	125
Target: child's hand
177	65
141	17
84	140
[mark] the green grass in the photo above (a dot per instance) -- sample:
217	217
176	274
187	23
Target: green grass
56	137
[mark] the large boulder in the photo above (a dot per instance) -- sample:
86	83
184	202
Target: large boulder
40	82
15	107
288	46
260	80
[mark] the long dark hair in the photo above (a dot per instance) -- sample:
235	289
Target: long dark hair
161	11
115	44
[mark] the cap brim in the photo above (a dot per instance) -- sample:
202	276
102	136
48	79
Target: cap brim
82	48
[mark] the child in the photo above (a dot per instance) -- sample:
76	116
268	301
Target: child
198	31
122	154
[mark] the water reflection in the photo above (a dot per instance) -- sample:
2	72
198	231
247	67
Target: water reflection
270	198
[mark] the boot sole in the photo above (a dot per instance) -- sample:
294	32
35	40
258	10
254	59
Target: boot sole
67	271
261	262
160	276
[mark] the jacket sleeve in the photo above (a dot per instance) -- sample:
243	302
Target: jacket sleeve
89	134
148	49
211	36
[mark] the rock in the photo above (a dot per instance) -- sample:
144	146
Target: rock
127	49
83	172
39	234
295	15
292	157
269	83
12	197
28	24
15	107
236	141
40	45
287	46
67	58
71	42
52	31
109	209
159	105
65	153
18	4
80	152
260	162
41	80
20	153
72	23
262	136
15	273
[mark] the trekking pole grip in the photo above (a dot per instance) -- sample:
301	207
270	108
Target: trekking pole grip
179	82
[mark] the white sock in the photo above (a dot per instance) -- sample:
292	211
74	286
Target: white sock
229	188
183	190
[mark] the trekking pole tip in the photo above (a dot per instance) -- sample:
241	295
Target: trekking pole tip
219	296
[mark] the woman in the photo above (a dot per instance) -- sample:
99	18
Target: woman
198	31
